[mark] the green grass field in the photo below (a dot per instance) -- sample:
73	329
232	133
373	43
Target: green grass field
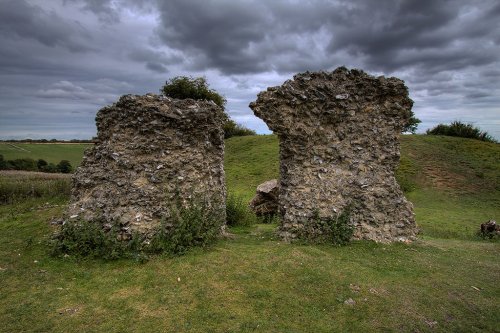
50	152
445	282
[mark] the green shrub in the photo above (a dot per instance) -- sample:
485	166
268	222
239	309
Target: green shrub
183	87
459	129
88	239
41	164
231	128
196	226
3	163
237	212
412	124
334	230
64	166
27	164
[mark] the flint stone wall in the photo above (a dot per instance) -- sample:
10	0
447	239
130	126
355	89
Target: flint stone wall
339	148
152	152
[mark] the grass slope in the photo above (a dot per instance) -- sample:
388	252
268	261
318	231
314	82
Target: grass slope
50	152
250	161
446	282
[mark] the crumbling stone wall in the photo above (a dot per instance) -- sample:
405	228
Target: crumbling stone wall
151	153
339	149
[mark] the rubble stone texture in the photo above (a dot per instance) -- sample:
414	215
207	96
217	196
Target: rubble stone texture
152	152
265	202
339	148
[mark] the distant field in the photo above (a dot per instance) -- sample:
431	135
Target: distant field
50	152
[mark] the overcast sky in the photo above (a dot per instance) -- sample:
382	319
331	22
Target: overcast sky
62	60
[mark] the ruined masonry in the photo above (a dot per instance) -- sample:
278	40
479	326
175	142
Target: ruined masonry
339	148
151	153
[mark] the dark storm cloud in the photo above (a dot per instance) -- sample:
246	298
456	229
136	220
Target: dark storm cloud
241	36
19	19
108	11
103	9
254	36
156	61
438	35
61	60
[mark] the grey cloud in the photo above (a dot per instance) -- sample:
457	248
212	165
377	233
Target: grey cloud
108	11
99	92
19	19
62	61
156	67
256	36
433	34
155	61
104	10
65	89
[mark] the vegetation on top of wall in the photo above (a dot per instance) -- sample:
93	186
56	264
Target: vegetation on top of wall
183	87
460	129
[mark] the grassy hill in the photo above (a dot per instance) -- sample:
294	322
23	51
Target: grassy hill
445	282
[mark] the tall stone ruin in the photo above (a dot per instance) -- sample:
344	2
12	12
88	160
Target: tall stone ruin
152	152
339	149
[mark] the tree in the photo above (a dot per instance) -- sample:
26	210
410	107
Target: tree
27	164
41	164
3	163
231	128
183	87
64	166
412	124
51	168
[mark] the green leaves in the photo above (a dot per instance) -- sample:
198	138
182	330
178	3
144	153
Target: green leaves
183	87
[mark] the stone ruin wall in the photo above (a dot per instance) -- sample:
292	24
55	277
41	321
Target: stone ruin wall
151	152
339	147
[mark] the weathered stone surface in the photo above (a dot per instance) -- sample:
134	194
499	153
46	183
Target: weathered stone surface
339	148
265	202
152	152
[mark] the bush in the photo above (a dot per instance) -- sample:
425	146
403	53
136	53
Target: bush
183	87
88	239
334	230
27	164
64	166
41	164
412	124
459	129
196	226
231	128
238	213
3	163
50	168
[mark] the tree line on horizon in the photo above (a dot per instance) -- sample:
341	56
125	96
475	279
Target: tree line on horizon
49	141
29	164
